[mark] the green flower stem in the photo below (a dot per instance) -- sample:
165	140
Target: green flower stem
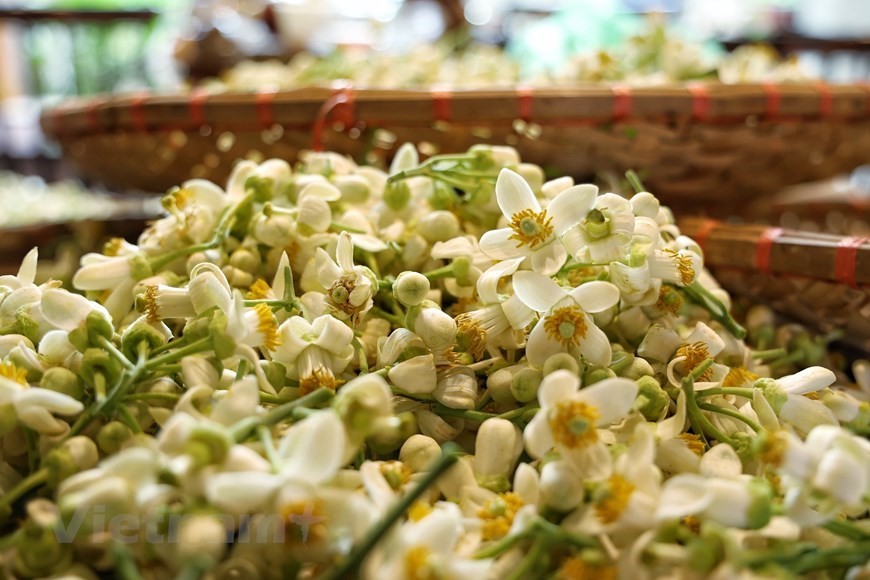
274	304
195	347
241	369
519	412
174	343
32	439
442	272
733	414
351	565
165	397
745	392
274	400
770	354
501	546
385	285
575	266
35	479
838	557
714	306
361	355
265	435
124	563
128	419
538	527
244	428
700	424
109	347
424	167
392	318
634	181
847	530
469	414
530	561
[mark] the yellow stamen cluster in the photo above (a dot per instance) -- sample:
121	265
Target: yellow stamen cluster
773	449
396	473
417	564
610	507
321	377
576	568
580	275
13	373
472	334
498	515
566	325
152	312
684	267
304	521
267	326
813	395
573	423
695	354
259	290
419	510
693	442
669	300
692	523
531	228
338	295
113	247
739	377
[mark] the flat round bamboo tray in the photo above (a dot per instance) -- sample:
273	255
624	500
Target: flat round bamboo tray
709	143
819	279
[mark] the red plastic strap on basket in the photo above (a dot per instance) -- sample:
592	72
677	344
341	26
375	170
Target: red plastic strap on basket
137	113
196	106
764	247
773	98
826	99
524	103
441	106
621	102
341	105
700	100
846	259
265	114
704	231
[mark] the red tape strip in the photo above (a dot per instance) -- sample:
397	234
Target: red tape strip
704	231
341	106
441	108
265	115
826	99
137	113
846	260
621	102
774	97
700	100
764	247
524	103
196	105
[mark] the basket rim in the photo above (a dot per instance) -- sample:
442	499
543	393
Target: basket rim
695	102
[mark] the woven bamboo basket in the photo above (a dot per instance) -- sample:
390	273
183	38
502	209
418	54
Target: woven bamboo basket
708	143
819	279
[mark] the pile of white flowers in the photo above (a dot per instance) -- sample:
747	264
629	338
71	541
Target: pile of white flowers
452	370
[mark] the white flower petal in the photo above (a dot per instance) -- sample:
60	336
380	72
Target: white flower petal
595	346
612	398
570	207
497	245
683	495
538	436
595	296
487	284
537	291
721	461
27	271
557	386
807	381
313	448
406	158
240	492
549	259
514	194
540	346
344	252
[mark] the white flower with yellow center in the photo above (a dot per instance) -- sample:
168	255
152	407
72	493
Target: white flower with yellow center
35	407
503	317
603	233
194	210
566	325
348	288
570	417
314	352
702	343
534	232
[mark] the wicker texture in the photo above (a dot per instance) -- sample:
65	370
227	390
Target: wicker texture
820	279
707	143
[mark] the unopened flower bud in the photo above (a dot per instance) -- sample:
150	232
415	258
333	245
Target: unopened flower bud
411	288
397	195
462	271
62	380
76	454
560	489
495	155
435	327
112	436
498	385
439	428
236	277
776	396
439	226
597	374
8	419
391	432
97	361
361	402
659	344
525	383
246	259
354	188
201	536
638	368
645	204
651	398
153	334
418	452
533	174
457	389
497	449
561	361
208	444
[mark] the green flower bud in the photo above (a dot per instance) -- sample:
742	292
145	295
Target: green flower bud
651	398
98	327
525	383
245	259
263	187
498	385
75	455
861	423
143	330
97	361
275	372
139	267
39	553
390	433
112	436
8	420
621	361
443	196
774	394
760	505
462	271
62	380
638	368
411	288
25	325
208	444
196	329
223	344
418	452
560	361
353	188
705	553
236	277
439	226
397	195
596	374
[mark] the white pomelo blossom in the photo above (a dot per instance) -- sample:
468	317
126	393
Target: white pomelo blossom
502	316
